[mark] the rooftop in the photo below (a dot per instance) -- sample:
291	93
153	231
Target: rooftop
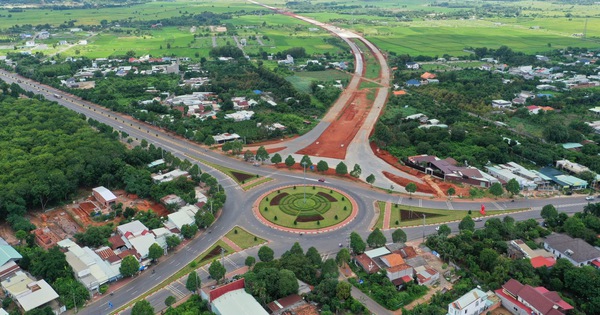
8	253
468	298
579	249
377	252
105	193
238	302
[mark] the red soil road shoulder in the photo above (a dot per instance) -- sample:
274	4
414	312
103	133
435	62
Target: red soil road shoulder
424	188
334	141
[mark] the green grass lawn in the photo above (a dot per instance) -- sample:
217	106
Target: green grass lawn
260	181
315	205
368	85
302	80
372	66
379	223
243	238
434	216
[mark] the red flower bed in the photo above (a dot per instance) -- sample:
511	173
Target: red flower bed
275	201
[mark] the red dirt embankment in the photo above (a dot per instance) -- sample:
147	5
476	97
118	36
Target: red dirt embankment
334	141
424	188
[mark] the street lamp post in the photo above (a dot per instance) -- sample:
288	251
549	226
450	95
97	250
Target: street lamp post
423	227
304	166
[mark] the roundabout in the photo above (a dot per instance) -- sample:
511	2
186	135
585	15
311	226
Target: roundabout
305	209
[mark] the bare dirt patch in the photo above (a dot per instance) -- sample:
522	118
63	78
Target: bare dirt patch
334	141
421	187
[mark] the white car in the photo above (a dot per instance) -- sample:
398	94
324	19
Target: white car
589	198
477	219
437	228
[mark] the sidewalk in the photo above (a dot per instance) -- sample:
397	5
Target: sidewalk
387	216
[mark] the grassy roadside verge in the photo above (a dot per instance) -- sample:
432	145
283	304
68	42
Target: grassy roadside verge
243	238
402	216
255	183
240	177
379	223
199	261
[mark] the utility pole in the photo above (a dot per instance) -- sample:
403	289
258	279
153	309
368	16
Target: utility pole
304	165
424	227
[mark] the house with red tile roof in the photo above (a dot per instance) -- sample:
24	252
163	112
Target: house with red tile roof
366	263
427	76
522	299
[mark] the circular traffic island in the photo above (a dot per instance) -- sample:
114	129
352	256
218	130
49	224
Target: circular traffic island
304	208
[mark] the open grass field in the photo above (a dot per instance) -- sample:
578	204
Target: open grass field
409	216
302	80
243	238
323	207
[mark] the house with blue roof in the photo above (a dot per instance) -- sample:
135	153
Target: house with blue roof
8	253
413	82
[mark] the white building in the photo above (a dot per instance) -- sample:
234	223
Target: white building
572	167
28	293
167	177
132	229
224	137
185	215
501	104
240	115
89	268
472	303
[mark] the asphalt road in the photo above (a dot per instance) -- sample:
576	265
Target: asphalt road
237	209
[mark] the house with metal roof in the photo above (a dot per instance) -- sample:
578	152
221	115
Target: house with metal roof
563	181
473	302
572	167
28	293
104	196
8	253
506	175
575	250
373	253
232	299
89	268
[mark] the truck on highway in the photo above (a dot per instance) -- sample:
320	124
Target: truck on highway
56	95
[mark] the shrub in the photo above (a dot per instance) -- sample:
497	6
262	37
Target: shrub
295	222
444	266
397	223
336	217
103	288
470	212
266	209
235	231
314	187
345	208
267	199
318	222
255	238
294	187
193	264
275	218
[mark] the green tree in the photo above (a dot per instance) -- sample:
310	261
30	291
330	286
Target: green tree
488	259
216	270
314	257
376	238
343	290
21	235
357	244
496	189
306	161
170	300
451	192
193	282
341	169
398	236
371	179
467	223
444	230
262	154
248	155
189	230
513	187
290	161
173	241
411	188
71	292
142	307
322	166
204	218
155	251
129	266
549	212
330	269
287	284
209	141
276	159
250	261
356	171
297	249
265	254
343	256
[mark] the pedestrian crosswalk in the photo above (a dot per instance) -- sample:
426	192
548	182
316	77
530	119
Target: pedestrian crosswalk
176	292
